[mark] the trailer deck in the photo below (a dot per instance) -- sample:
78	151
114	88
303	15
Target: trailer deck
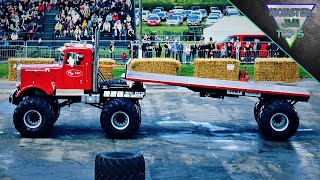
235	88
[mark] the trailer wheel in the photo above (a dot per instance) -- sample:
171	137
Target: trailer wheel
278	120
119	165
33	117
257	108
119	118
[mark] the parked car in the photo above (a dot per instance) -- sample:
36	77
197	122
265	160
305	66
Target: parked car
136	10
174	20
211	20
153	20
163	15
229	9
233	13
145	14
217	12
178	8
184	15
214	8
179	14
187	12
161	8
204	13
195	8
198	13
171	12
155	11
193	20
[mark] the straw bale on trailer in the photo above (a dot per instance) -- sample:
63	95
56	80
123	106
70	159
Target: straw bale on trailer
158	65
107	62
106	70
276	69
218	68
12	62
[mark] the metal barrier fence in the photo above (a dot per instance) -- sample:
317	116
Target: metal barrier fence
48	49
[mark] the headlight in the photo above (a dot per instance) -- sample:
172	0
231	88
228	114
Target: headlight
18	73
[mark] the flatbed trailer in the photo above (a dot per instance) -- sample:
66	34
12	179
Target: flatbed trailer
274	112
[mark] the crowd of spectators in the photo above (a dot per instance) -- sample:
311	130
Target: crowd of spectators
79	18
20	20
244	51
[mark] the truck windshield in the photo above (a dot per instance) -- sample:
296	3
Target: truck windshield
61	57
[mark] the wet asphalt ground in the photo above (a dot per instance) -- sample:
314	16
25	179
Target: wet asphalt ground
182	136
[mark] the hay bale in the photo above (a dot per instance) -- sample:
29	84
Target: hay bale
12	76
106	70
157	65
218	68
276	69
107	62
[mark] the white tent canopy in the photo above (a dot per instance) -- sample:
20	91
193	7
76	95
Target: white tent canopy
228	26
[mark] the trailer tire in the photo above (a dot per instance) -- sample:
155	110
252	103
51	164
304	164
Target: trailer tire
119	165
33	117
257	108
119	118
278	120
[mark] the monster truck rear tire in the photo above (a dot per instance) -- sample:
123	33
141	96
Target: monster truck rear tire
119	118
119	165
257	108
278	120
33	117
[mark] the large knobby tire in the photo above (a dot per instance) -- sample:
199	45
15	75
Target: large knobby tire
33	117
138	108
119	165
278	120
257	108
120	118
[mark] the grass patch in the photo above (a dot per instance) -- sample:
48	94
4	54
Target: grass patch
117	72
303	73
187	70
4	70
249	68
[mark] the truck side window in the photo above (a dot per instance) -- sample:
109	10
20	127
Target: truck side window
74	59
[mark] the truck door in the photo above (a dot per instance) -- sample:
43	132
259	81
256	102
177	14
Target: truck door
76	72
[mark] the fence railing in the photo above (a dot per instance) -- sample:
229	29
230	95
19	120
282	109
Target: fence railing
48	49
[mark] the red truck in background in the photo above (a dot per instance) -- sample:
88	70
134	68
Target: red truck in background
244	38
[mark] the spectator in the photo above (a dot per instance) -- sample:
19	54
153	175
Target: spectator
216	53
180	51
201	50
106	27
188	53
229	50
193	51
123	33
224	52
237	47
158	50
112	50
124	57
77	33
167	48
247	51
207	48
269	49
174	50
130	34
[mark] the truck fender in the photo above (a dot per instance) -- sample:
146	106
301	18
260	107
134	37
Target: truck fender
35	91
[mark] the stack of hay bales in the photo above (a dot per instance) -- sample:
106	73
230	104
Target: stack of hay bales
159	65
218	68
12	62
276	69
106	67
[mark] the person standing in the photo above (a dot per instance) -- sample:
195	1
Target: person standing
207	48
224	53
112	50
237	47
194	51
124	57
188	53
247	51
269	50
215	47
174	50
180	51
229	50
167	47
158	50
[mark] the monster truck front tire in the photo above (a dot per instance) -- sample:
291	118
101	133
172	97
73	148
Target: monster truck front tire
119	165
278	120
33	117
120	118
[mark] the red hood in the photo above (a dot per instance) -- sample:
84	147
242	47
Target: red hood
40	66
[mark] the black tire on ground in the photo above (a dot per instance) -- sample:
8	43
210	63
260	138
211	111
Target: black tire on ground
119	165
138	108
257	108
278	120
119	118
33	117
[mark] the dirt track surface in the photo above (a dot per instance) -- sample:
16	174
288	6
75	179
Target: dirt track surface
182	136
